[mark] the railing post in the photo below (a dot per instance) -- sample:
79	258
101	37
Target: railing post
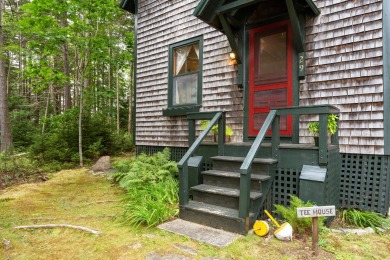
275	137
183	163
183	184
191	132
335	136
221	134
245	179
323	139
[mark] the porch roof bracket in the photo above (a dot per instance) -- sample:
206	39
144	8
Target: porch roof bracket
313	7
230	36
297	32
237	5
129	5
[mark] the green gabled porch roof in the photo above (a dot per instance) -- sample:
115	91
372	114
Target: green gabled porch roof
228	16
129	5
238	11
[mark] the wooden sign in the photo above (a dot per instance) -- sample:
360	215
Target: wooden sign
314	213
317	211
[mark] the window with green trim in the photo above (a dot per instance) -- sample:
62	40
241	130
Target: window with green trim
185	77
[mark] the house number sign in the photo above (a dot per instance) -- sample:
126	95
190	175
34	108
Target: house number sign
301	64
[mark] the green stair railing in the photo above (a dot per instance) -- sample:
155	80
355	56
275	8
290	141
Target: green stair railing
273	121
214	117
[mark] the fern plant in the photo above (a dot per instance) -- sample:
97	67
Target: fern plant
300	225
145	169
152	188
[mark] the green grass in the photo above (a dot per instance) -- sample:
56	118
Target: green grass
364	219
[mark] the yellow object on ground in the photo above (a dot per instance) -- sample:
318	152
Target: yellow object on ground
284	231
261	228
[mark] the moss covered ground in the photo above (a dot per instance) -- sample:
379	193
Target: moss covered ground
77	197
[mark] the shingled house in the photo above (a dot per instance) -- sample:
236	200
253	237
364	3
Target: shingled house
265	68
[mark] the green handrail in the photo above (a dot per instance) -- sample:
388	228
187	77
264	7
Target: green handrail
183	163
246	167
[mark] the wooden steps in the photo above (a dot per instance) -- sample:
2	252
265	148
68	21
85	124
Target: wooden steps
215	203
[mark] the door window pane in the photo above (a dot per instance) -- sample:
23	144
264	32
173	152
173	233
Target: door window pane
270	98
270	57
259	119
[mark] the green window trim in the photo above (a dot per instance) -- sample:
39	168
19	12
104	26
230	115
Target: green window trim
183	109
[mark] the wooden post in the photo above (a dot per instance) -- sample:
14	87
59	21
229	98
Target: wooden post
315	212
315	235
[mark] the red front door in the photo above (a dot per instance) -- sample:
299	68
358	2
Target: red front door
270	74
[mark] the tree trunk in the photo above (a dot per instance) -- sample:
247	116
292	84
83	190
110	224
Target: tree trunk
117	102
81	128
5	128
46	110
65	57
67	96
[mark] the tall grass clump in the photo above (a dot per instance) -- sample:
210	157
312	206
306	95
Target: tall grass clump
300	225
152	188
364	219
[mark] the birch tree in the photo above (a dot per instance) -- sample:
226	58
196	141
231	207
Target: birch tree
6	137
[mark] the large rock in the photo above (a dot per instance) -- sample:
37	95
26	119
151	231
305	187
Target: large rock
102	165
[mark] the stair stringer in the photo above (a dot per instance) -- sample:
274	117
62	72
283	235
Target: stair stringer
266	188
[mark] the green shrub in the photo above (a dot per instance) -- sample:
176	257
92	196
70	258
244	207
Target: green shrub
152	188
23	129
364	219
299	225
151	204
60	144
16	169
122	166
146	169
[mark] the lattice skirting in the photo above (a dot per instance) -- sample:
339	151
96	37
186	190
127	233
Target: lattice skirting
176	152
364	183
364	180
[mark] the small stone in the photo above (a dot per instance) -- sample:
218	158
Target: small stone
136	246
185	249
149	235
358	231
155	256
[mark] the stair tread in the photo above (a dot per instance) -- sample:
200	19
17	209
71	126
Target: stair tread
258	177
213	209
241	159
224	191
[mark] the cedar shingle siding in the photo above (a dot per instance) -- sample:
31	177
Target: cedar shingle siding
344	67
162	23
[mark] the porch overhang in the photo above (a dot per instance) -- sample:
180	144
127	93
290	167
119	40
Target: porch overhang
228	16
129	5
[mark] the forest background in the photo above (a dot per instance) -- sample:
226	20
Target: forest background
65	80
